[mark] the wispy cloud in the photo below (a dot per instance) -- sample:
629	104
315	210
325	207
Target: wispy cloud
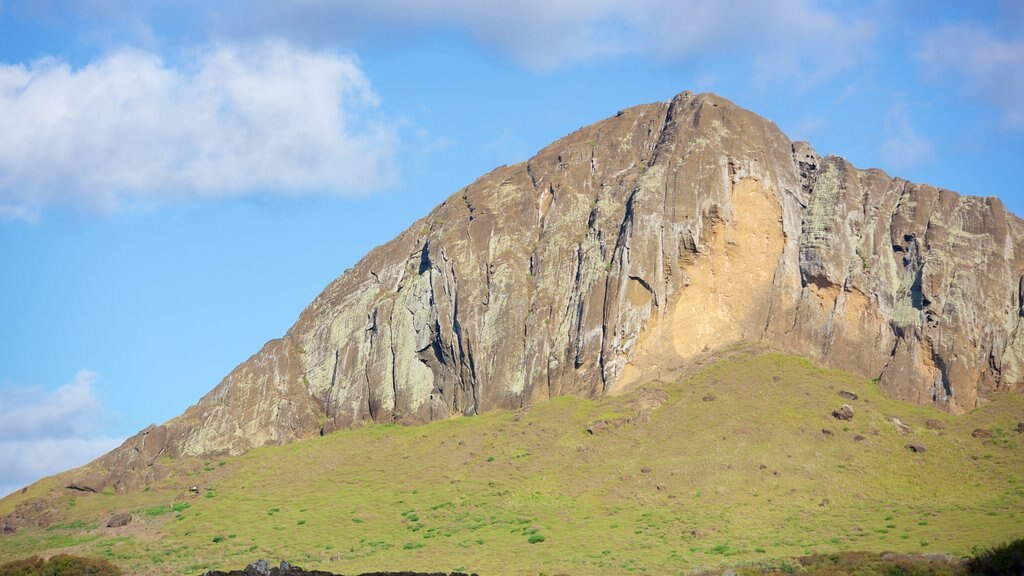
545	35
985	66
42	433
227	121
904	147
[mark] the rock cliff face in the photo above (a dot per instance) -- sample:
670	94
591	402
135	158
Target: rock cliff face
627	248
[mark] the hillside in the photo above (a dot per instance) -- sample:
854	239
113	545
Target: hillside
620	254
727	464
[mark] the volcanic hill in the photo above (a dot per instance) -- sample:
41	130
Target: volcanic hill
603	274
619	254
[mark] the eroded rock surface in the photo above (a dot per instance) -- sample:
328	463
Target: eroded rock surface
619	253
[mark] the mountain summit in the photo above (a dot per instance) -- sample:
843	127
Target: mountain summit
618	254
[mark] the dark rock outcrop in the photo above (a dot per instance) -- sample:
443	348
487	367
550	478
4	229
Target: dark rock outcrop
621	252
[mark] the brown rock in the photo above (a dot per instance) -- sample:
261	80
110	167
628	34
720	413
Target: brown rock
844	412
933	424
1020	428
848	395
981	433
650	216
708	398
120	519
916	448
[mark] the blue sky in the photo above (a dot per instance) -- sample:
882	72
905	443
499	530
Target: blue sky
179	179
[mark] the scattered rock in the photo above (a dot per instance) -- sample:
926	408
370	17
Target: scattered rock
708	398
848	395
34	513
258	568
859	438
826	432
762	467
646	470
602	426
660	487
1020	428
900	426
844	412
118	520
824	502
916	448
981	433
933	424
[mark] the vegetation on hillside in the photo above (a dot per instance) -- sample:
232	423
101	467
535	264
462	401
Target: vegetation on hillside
741	464
60	565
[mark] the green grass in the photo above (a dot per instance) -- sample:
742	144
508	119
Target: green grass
747	478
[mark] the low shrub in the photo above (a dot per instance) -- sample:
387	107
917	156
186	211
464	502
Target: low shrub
60	565
1005	559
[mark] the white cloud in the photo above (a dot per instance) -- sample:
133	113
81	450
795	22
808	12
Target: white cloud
903	147
788	39
227	121
42	433
985	66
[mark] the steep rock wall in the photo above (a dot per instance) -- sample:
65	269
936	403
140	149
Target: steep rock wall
667	231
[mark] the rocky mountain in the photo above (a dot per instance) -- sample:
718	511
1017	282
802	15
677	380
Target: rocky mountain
618	254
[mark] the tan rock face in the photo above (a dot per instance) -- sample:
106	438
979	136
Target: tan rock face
663	233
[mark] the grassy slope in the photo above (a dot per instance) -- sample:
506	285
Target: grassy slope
702	483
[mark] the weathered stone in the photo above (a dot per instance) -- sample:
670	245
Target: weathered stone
1020	428
258	568
844	412
118	520
628	249
981	433
901	427
848	395
933	424
916	447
